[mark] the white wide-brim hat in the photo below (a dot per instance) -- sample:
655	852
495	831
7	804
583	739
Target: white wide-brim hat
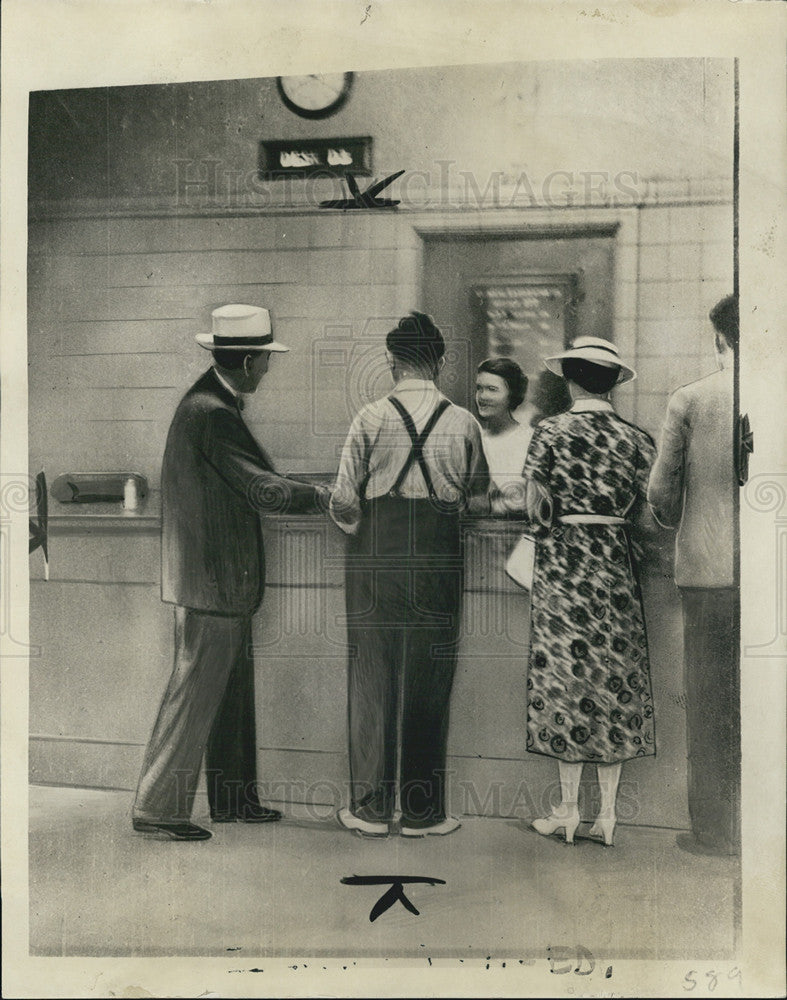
240	328
595	349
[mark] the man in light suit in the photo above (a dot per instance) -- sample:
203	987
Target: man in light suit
692	487
215	482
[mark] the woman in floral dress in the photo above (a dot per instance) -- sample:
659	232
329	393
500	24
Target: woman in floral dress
589	688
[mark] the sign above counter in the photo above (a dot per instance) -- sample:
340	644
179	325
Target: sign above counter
309	157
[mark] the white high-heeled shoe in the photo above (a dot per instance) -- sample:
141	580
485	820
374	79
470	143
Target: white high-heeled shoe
603	829
563	817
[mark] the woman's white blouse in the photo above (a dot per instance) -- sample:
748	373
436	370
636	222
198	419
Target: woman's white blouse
506	453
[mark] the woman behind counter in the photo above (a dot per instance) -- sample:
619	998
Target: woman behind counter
589	688
500	388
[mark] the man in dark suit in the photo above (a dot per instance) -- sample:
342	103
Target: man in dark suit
215	483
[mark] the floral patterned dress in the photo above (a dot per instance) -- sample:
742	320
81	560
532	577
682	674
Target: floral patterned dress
589	688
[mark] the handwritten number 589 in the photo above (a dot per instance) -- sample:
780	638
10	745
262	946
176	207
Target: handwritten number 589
690	983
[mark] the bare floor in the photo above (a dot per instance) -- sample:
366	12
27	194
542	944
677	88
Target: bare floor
98	888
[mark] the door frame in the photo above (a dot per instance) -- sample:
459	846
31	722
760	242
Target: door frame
622	224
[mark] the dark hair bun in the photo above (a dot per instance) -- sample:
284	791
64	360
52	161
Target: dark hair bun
597	379
416	339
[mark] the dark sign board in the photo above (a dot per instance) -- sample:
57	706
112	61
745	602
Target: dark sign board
527	317
310	157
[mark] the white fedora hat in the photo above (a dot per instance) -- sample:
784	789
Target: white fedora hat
240	328
600	352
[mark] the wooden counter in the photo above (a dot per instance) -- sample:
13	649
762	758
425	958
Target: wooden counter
104	653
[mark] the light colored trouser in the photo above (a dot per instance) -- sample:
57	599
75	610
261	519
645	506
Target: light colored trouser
209	649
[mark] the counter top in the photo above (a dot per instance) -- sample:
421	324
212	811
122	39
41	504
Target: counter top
105	543
65	517
113	517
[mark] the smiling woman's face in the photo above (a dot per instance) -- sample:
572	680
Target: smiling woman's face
491	396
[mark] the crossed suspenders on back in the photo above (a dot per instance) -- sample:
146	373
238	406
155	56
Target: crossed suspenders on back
418	442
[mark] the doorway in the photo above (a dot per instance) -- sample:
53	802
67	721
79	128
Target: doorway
522	294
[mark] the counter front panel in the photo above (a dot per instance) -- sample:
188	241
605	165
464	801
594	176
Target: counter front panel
103	653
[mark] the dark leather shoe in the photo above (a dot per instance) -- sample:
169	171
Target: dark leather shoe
175	831
250	814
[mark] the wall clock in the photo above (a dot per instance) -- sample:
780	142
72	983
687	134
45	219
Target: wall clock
316	95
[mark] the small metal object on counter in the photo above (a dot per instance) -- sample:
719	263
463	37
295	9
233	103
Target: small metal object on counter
100	487
130	494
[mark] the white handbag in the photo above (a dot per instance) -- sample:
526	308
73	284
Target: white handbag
519	565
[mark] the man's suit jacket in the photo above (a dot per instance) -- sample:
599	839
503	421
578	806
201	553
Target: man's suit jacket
215	483
693	481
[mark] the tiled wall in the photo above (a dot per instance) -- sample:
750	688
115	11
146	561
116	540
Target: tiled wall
685	267
115	302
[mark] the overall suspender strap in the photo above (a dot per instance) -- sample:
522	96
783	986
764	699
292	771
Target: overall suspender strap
419	440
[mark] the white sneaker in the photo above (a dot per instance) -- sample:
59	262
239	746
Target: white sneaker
441	829
350	821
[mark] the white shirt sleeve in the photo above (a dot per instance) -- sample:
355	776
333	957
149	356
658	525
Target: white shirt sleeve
345	504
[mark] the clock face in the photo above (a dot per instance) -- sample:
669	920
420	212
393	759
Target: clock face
316	95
